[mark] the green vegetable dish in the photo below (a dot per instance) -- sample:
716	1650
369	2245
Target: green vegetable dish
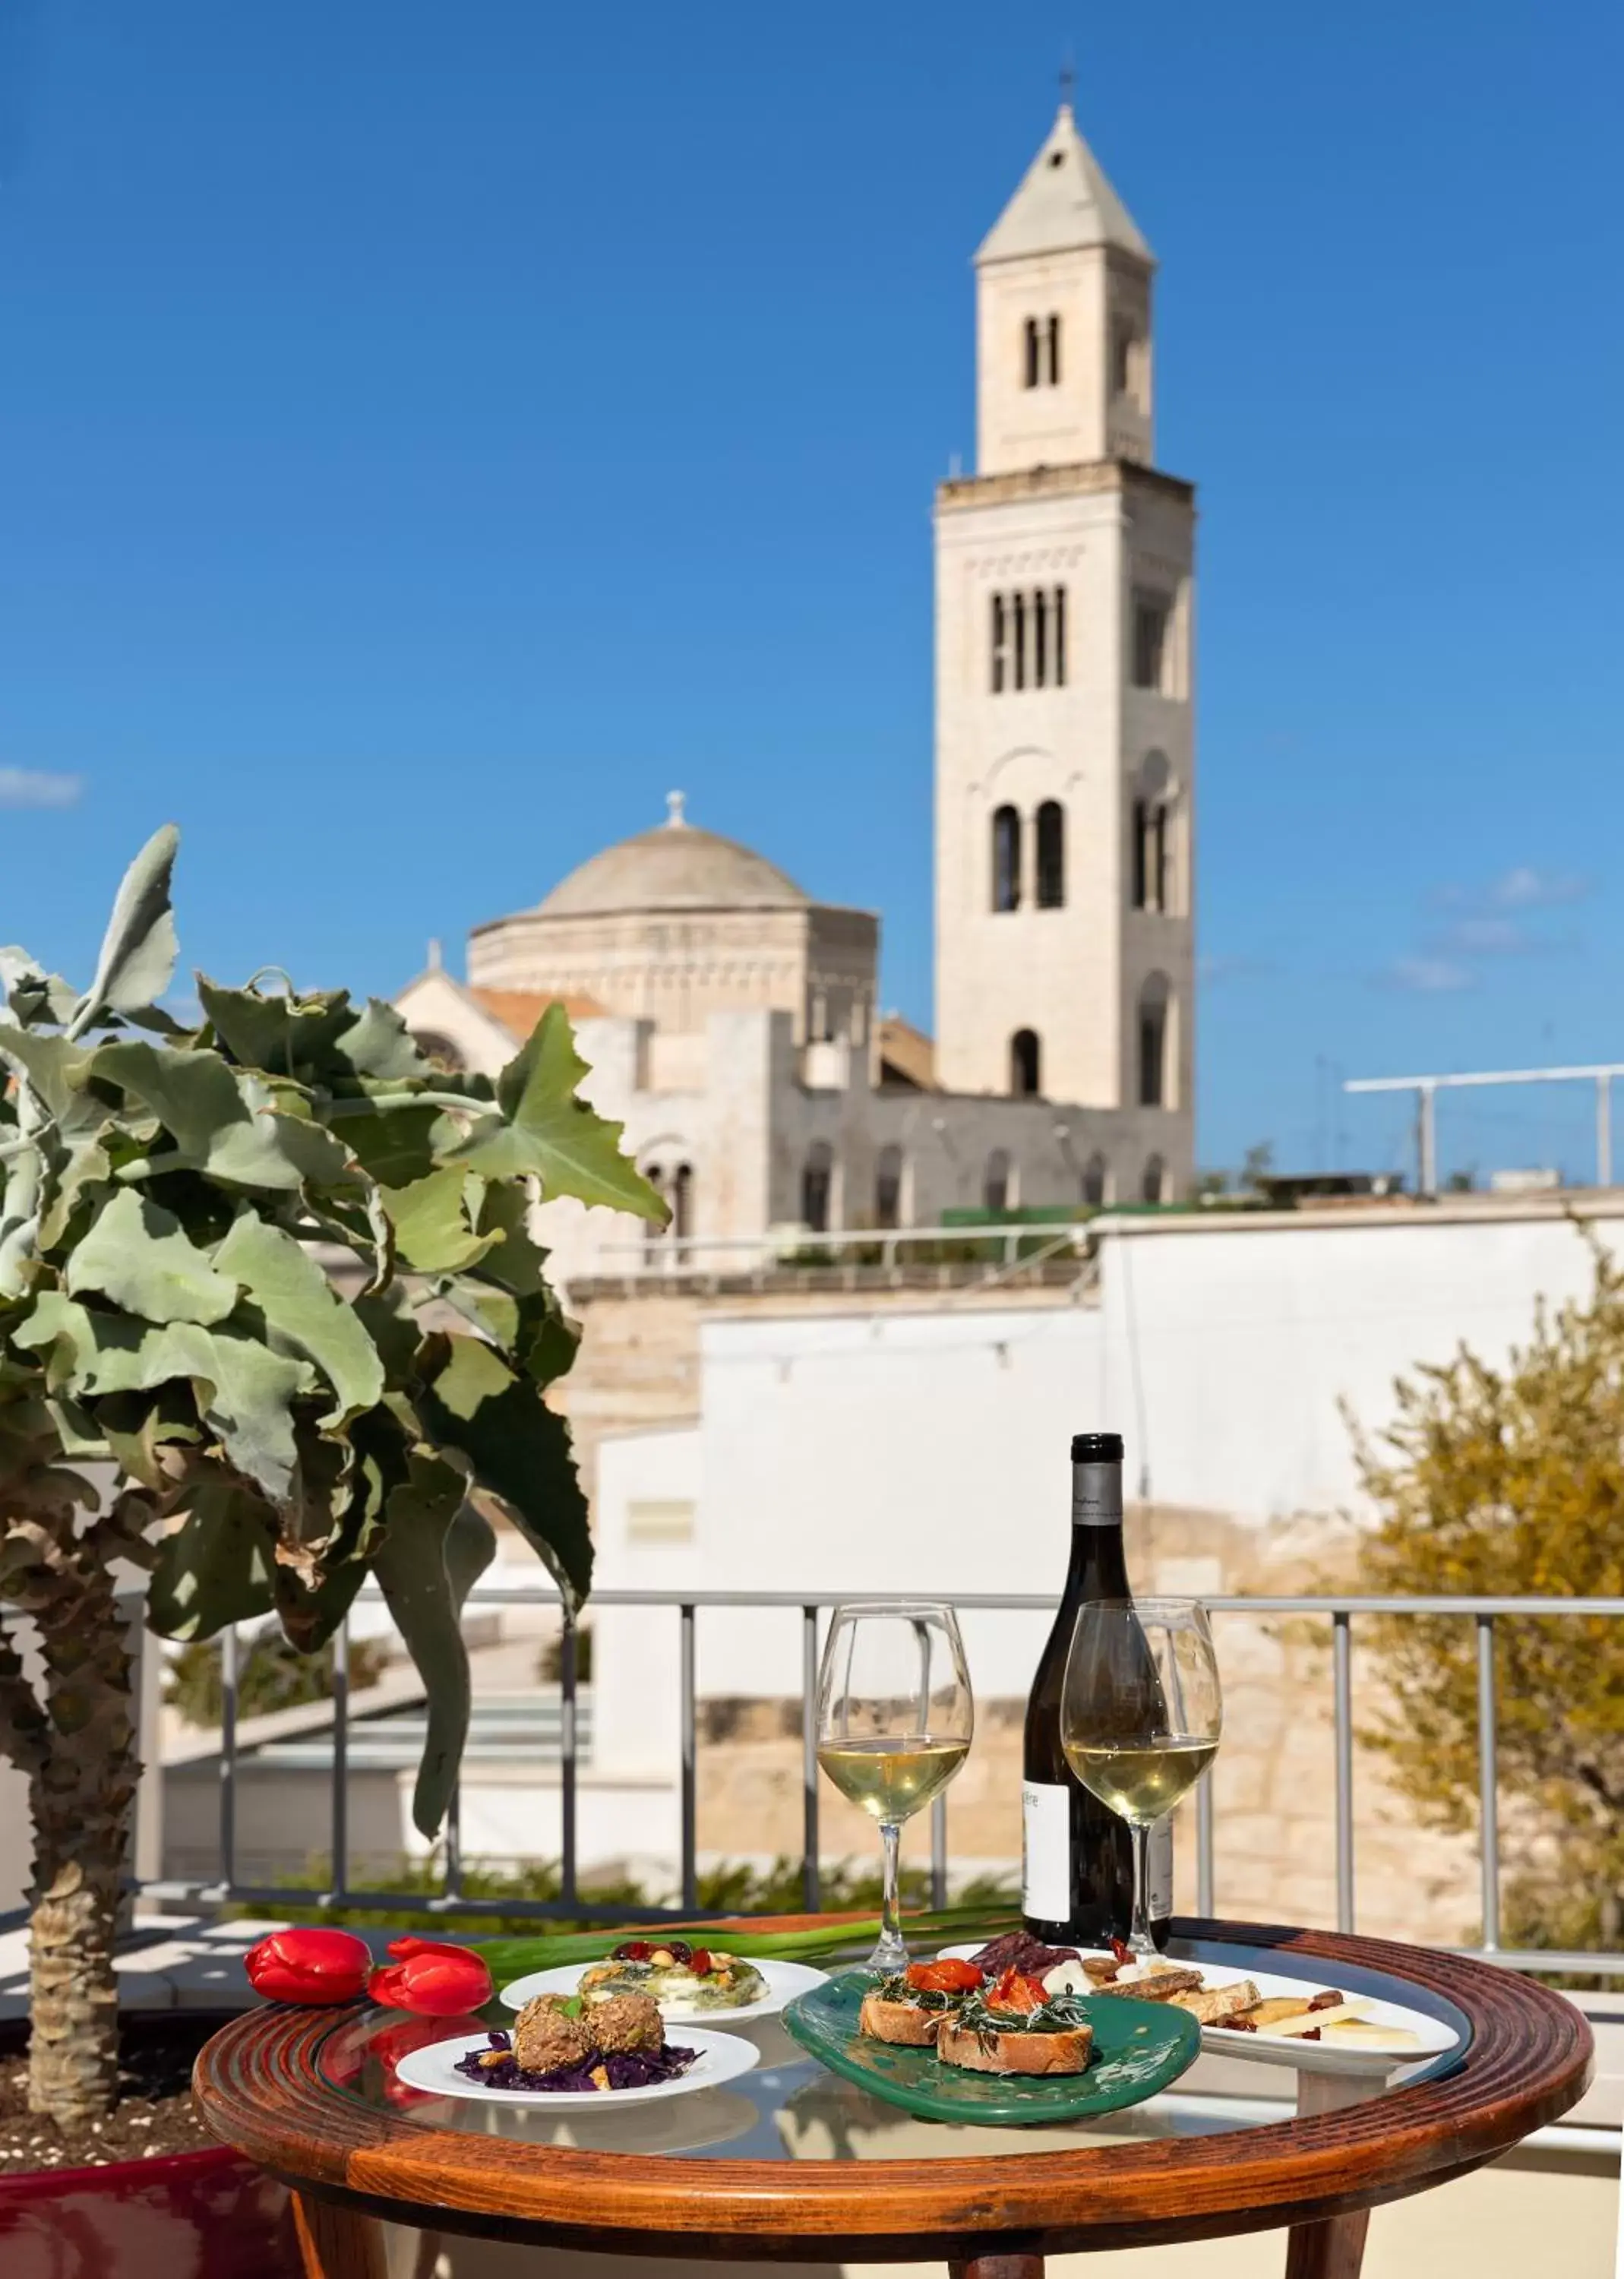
679	1976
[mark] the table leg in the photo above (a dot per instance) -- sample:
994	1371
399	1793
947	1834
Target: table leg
998	2266
1335	2248
338	2243
1332	2249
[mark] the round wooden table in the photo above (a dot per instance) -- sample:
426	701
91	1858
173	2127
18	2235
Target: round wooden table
791	2163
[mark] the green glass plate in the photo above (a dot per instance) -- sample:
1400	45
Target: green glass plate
1139	2047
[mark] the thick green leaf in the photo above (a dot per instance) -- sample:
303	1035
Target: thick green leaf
388	1319
303	1312
431	1232
138	949
75	1170
434	1548
30	994
244	1392
138	1426
379	1044
473	1402
222	1123
312	1606
396	1147
518	1263
279	1034
218	1567
139	1257
548	1133
251	1409
57	1071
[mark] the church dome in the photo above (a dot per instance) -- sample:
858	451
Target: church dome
674	867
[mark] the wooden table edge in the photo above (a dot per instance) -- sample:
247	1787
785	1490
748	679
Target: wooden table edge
253	2092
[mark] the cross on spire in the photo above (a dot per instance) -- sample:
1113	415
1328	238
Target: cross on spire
1068	82
675	802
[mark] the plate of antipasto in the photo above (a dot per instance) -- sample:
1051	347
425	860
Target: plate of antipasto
687	1982
558	2052
1310	2024
950	2042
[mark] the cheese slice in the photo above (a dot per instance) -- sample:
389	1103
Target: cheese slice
1289	2029
1354	2030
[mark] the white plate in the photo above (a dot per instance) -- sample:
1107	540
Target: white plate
785	1980
722	2057
1432	2038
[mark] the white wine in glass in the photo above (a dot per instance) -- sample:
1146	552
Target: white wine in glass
895	1719
1141	1715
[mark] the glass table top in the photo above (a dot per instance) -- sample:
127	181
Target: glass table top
790	2107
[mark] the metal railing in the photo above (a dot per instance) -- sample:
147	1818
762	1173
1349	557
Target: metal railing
1341	1612
787	1248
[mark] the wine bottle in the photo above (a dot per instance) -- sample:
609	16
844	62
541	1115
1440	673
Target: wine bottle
1077	1855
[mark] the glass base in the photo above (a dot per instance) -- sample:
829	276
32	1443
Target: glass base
890	1954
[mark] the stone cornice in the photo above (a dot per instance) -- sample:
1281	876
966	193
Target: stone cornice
1076	480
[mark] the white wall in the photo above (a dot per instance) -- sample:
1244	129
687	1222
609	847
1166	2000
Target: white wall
928	1452
1227	1347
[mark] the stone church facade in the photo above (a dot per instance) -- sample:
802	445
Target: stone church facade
732	1022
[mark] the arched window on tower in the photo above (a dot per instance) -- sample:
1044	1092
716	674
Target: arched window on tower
1052	344
998	1191
654	1237
1095	1174
682	1202
1153	1189
1155	1039
1005	858
1025	1064
1051	856
817	1186
1031	343
1154	871
888	1187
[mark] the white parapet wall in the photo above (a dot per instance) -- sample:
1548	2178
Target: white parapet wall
926	1452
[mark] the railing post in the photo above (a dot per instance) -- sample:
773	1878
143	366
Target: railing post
1488	1781
452	1886
1204	1845
690	1766
1342	1641
341	1758
228	1756
811	1877
568	1746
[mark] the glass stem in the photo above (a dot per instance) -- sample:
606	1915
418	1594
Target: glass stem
1139	1937
890	1903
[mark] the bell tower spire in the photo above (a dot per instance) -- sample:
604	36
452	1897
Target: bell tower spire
1064	317
1064	757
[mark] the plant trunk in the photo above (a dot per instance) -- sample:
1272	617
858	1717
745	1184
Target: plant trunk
82	1792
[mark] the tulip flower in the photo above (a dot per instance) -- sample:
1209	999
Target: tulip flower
433	1977
315	1966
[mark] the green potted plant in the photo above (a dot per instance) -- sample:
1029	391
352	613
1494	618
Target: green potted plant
168	1188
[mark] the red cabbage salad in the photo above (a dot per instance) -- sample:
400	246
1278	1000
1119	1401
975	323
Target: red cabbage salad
620	2069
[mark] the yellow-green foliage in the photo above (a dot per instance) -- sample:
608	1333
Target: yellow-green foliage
1510	1480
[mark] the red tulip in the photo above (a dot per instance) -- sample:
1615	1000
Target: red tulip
433	1977
314	1965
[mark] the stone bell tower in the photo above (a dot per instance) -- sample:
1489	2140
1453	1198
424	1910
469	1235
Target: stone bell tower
1064	589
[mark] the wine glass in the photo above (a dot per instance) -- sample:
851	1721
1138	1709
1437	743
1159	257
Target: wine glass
1141	1712
894	1721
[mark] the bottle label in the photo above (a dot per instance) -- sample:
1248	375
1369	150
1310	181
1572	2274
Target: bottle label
1096	1495
1161	1865
1045	1850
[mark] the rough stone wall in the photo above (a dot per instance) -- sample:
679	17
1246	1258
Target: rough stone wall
1274	1779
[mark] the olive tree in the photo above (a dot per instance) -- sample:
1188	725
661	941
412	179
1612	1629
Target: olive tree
1508	1480
187	1401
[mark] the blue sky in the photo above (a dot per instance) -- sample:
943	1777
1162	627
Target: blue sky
426	435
